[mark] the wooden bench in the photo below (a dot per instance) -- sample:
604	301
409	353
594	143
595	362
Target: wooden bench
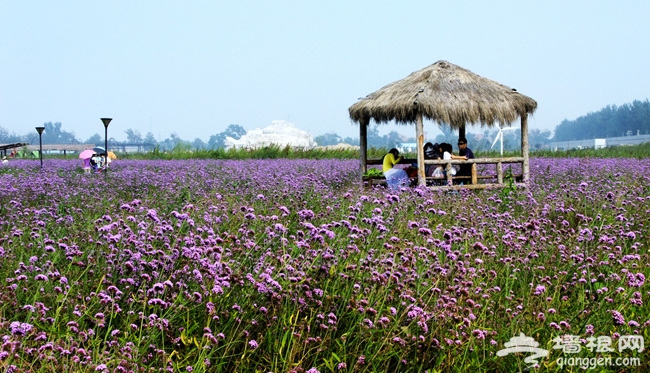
498	176
369	181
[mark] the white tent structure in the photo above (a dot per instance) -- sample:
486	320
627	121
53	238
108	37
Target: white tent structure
280	133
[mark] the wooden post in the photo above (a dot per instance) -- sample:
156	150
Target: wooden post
499	173
363	146
449	175
474	174
419	134
524	147
461	131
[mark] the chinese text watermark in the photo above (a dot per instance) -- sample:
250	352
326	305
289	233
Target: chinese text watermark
573	344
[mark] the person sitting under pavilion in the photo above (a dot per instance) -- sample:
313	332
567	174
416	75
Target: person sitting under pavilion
464	153
395	177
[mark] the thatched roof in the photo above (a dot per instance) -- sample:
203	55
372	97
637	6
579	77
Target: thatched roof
447	94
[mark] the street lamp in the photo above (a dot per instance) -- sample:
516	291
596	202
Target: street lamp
106	121
40	141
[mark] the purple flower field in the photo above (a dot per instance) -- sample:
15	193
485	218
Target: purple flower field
291	266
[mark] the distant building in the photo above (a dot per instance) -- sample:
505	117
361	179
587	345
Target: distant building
407	147
600	143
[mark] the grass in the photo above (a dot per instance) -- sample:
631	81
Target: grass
297	270
277	152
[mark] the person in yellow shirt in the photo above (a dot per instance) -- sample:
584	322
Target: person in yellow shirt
395	177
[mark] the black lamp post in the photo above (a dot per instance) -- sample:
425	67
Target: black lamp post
40	142
106	122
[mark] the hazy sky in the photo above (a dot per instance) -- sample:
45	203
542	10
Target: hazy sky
193	67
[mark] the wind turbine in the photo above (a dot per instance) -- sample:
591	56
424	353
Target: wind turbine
500	136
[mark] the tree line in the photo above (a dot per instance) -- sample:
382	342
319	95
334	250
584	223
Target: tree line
55	134
611	121
537	139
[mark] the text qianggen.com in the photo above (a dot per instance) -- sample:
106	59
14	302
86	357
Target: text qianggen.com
593	362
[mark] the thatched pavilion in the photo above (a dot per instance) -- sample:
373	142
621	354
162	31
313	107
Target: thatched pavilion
444	93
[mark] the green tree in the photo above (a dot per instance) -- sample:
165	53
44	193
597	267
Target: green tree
538	139
235	131
328	139
373	138
173	142
95	139
53	134
448	135
150	139
198	144
611	121
393	139
4	134
512	139
478	142
219	140
133	136
6	137
565	131
352	141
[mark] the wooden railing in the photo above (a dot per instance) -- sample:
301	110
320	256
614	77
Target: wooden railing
469	181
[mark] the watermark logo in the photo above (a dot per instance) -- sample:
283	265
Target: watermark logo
573	344
524	344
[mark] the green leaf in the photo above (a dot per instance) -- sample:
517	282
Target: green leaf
374	172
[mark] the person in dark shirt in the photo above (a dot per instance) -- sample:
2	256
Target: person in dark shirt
431	151
93	162
465	169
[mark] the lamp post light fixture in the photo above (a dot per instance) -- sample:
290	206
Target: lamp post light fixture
40	142
106	122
